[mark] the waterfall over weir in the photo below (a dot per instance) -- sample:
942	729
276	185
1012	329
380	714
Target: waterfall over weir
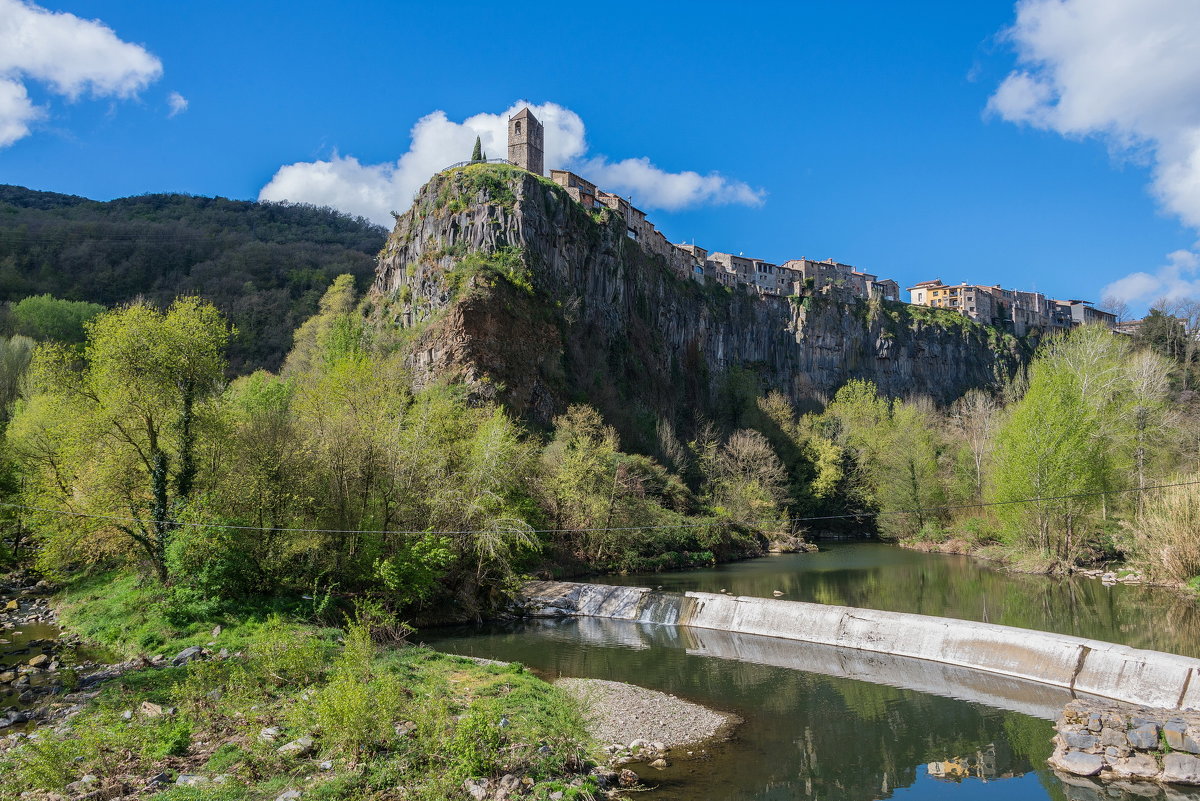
1074	664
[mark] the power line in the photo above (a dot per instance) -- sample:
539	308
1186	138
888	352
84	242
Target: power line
848	516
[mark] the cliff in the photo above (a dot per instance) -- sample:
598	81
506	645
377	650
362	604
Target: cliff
496	277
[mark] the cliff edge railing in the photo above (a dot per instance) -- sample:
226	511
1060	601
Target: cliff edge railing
1083	666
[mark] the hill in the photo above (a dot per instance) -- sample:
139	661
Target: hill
264	264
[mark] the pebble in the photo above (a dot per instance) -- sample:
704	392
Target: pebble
625	713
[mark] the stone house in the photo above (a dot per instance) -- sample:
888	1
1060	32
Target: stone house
526	150
1014	310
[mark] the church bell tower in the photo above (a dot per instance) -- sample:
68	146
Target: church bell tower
525	142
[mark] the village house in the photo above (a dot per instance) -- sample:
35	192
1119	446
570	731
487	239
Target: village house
526	149
1014	310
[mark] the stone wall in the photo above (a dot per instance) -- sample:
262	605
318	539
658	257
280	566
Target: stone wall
1118	743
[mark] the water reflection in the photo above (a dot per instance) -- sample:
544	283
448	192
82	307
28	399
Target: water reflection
878	576
825	724
807	735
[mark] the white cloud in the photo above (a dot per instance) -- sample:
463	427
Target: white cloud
178	104
1179	278
16	112
375	190
1128	73
656	188
72	56
1125	71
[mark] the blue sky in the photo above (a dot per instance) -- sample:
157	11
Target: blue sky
858	130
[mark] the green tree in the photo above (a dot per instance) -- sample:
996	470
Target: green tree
332	332
1046	449
16	352
477	153
906	473
118	435
46	317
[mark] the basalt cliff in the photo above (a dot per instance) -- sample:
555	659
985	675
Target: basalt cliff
497	278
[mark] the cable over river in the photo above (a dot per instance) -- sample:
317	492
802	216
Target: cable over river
829	724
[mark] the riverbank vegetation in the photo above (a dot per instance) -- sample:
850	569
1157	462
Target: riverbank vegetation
337	476
1064	468
267	703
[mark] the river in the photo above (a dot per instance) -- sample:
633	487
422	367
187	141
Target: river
811	732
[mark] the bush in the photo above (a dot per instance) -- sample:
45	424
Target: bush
282	656
358	709
210	563
933	531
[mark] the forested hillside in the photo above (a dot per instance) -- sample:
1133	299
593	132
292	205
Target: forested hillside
265	265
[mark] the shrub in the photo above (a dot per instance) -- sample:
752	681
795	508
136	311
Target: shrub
283	656
358	709
210	563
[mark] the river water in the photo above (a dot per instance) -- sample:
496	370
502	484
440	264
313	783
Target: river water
830	725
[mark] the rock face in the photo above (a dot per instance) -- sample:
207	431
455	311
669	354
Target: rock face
499	278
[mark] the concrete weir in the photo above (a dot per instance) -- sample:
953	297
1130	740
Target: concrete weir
1086	667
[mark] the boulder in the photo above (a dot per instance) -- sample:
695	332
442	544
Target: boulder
1181	769
1179	737
298	748
1113	737
189	654
190	780
477	788
83	785
151	710
38	661
1077	763
1144	737
604	777
1079	740
288	795
1136	766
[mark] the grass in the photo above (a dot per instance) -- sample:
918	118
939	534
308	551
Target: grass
391	723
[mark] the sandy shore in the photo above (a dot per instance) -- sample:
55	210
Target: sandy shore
622	713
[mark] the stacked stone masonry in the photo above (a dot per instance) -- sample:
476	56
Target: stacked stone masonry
1122	743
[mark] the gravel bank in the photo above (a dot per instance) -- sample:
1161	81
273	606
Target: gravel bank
622	713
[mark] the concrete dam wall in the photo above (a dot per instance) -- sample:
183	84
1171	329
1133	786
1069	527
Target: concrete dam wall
1087	667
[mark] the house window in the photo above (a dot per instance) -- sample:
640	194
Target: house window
632	234
518	128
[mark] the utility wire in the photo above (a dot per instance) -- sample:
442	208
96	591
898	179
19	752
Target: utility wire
848	516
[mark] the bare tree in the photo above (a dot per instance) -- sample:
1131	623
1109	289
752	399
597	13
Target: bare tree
974	417
1115	305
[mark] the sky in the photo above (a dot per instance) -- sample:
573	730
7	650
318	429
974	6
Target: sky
1051	145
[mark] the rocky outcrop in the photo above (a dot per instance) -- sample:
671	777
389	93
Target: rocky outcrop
496	277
